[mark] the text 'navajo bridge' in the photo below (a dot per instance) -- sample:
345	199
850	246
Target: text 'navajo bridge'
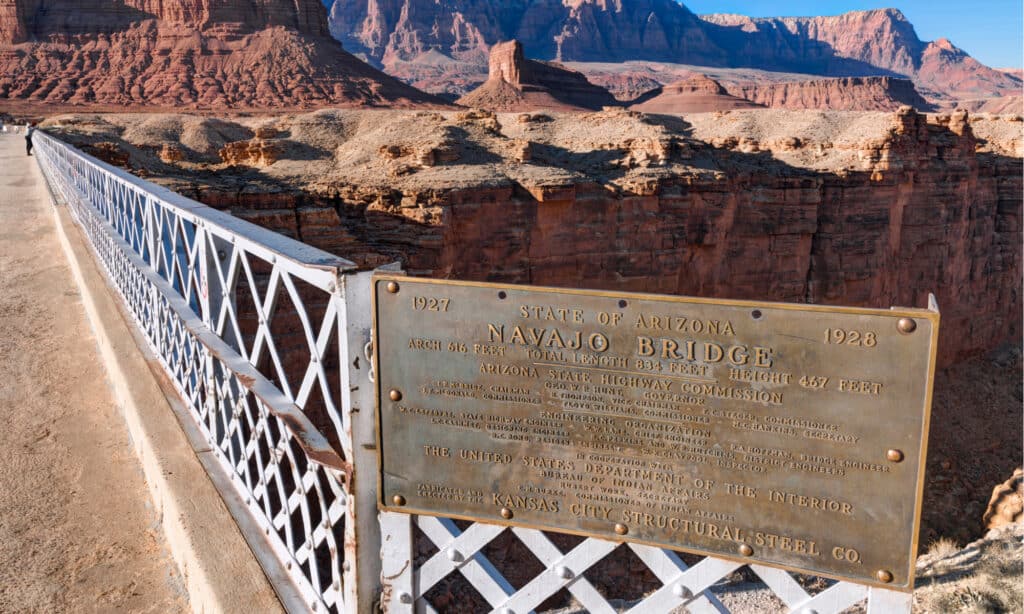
788	435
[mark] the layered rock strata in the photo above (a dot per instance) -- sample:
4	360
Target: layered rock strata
413	39
843	94
184	53
862	43
872	209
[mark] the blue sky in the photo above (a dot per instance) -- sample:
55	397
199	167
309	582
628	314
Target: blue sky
990	30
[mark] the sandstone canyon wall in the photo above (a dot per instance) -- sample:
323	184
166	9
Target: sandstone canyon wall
881	39
210	54
396	33
842	94
873	209
550	29
39	20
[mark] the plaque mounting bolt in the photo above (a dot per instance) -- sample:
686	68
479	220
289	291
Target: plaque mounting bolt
894	455
621	529
906	325
565	573
398	500
405	598
506	513
746	550
393	287
681	591
884	575
395	395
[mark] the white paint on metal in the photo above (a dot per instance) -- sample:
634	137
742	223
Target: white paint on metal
162	253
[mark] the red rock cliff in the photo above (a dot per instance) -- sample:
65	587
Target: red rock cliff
862	43
41	20
872	209
517	84
843	94
192	53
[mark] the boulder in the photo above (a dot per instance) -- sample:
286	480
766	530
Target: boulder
1007	503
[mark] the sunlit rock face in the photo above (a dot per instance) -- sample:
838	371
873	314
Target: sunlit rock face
440	45
193	53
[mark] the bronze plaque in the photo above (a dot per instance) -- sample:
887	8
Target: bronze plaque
788	435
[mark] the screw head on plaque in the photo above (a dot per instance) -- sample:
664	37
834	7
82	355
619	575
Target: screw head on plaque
906	325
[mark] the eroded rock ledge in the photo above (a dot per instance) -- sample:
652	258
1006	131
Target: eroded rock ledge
875	209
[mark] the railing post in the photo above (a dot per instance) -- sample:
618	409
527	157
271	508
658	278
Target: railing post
362	530
398	595
882	601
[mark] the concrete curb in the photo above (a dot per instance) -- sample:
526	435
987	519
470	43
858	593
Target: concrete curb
220	571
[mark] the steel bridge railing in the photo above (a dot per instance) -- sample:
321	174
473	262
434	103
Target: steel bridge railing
255	331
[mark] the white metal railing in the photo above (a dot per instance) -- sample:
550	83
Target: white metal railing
255	331
459	557
264	338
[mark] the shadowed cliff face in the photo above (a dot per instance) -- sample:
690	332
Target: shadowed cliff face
397	34
871	209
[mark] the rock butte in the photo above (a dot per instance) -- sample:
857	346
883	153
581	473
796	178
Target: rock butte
188	53
874	209
517	84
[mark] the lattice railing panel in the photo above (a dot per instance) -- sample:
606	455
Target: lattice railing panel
250	329
684	588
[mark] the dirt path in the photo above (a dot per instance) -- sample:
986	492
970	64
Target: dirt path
77	533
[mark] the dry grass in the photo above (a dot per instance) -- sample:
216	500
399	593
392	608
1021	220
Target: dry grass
983	578
943	547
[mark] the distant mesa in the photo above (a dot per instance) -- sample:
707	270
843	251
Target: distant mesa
198	54
700	94
841	94
515	83
697	94
880	42
1005	105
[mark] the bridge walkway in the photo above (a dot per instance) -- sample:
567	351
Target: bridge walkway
77	532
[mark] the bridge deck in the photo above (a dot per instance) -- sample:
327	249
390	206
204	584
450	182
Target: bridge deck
76	530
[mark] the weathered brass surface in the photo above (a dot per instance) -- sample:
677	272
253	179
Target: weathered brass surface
755	431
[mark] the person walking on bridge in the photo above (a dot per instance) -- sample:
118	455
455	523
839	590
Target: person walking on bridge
29	131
